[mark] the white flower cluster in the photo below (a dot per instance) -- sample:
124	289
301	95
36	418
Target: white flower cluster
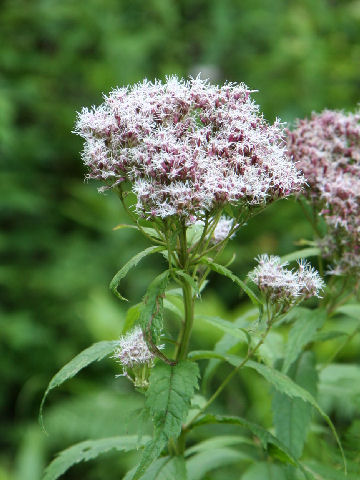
132	350
187	147
282	286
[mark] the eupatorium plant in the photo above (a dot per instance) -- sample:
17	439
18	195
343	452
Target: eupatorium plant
191	163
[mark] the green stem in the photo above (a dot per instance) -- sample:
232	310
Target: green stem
188	323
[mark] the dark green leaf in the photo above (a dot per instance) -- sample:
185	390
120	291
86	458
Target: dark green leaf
202	463
168	400
92	354
115	282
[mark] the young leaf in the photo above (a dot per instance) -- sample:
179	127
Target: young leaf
168	400
84	451
228	273
302	332
304	253
115	282
92	354
292	416
132	316
151	316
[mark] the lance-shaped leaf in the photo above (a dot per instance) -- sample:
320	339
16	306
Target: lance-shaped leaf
265	471
226	327
165	468
202	463
151	316
168	400
303	253
189	280
266	438
115	282
281	382
84	451
292	416
352	310
92	354
302	332
229	274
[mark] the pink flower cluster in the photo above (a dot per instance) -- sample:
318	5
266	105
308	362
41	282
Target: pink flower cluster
187	147
285	287
327	150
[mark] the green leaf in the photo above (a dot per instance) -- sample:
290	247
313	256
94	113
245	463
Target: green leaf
225	326
217	442
165	468
151	316
264	471
92	354
292	416
304	253
168	400
351	310
330	335
115	282
132	316
285	385
172	307
228	273
265	437
202	463
189	280
282	383
302	332
84	451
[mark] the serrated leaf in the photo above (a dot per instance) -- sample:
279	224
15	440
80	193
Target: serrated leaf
225	326
229	274
302	332
96	352
168	400
292	416
151	316
265	437
84	451
202	463
303	253
115	282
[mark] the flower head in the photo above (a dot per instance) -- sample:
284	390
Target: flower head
187	147
327	150
133	354
283	287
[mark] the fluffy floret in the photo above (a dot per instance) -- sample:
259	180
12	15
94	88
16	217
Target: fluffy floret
132	350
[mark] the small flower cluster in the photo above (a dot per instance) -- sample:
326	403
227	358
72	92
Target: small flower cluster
222	230
327	150
133	354
283	287
187	147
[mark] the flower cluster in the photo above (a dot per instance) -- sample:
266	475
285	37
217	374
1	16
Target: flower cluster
284	287
327	150
133	354
222	230
187	147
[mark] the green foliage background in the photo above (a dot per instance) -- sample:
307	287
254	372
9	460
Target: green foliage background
57	245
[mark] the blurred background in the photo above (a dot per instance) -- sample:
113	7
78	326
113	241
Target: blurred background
58	249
